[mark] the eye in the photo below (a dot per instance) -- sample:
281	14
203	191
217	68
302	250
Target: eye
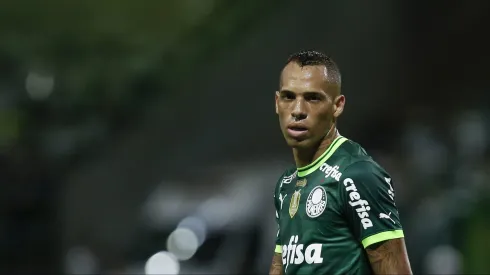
287	96
313	97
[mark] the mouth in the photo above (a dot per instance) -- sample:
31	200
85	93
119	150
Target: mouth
297	131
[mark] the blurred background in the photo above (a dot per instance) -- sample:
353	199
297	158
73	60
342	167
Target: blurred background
142	134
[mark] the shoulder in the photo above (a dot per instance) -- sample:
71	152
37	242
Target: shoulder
356	157
286	177
354	151
360	164
366	173
289	173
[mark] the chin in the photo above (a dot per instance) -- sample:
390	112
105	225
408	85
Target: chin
298	144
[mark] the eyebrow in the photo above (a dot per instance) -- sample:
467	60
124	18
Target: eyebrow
306	92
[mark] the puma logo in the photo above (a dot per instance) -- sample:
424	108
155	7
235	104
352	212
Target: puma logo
384	216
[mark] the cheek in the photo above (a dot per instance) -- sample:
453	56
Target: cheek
323	120
281	116
282	111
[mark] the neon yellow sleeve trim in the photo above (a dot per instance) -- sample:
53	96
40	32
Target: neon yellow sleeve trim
278	249
383	236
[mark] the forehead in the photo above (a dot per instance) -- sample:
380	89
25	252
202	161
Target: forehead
307	78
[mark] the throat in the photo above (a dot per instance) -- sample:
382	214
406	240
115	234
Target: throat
305	156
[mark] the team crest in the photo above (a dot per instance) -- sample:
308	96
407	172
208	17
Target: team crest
316	202
294	204
301	182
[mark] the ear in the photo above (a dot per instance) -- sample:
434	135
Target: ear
338	106
277	98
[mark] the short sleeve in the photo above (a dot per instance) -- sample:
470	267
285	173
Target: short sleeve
278	248
368	198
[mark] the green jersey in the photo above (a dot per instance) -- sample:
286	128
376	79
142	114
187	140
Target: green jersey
329	211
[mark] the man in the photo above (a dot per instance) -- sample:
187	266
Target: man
335	209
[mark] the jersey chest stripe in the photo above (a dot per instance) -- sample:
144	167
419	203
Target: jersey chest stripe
304	171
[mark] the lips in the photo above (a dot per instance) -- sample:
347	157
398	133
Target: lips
296	126
297	130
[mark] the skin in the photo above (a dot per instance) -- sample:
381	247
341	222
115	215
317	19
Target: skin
307	96
389	257
276	266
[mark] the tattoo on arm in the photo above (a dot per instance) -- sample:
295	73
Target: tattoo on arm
276	266
389	257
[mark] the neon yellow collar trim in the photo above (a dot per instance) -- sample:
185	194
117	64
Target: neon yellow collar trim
310	168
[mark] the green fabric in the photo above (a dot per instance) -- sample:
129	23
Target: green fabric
327	217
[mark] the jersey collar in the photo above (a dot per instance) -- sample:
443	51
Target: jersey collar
310	168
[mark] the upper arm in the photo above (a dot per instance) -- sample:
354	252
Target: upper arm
277	206
369	207
389	257
276	265
286	178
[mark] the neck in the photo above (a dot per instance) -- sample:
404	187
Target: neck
305	156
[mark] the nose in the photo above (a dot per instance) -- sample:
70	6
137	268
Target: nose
299	111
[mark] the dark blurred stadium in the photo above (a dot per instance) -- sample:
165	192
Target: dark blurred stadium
141	134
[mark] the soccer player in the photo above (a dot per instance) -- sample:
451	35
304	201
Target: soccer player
335	209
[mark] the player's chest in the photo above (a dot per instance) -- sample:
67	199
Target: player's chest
309	199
